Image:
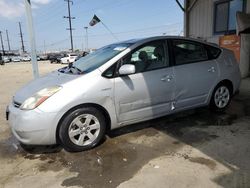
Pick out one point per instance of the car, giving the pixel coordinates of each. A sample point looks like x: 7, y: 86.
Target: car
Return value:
x: 1, y: 60
x: 43, y: 57
x: 111, y: 87
x: 26, y: 58
x: 70, y: 58
x: 16, y: 59
x: 6, y: 59
x: 38, y: 58
x: 55, y: 58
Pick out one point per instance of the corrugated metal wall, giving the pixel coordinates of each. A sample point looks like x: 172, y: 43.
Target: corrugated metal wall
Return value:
x: 201, y: 20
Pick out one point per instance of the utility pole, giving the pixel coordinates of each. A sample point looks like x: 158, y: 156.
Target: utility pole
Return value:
x: 70, y: 25
x: 87, y: 45
x: 2, y: 42
x: 21, y: 35
x: 8, y: 41
x: 44, y: 47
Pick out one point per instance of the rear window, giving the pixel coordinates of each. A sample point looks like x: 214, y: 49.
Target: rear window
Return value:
x: 213, y: 52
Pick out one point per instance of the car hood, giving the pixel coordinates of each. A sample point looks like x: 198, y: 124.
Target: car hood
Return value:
x: 52, y: 79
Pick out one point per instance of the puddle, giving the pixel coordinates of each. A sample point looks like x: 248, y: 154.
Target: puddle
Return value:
x: 203, y: 161
x: 108, y: 165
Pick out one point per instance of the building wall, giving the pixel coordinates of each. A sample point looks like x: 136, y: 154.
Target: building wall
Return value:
x: 201, y: 20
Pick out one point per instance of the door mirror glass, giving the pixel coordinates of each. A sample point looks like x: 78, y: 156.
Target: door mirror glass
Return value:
x: 127, y: 69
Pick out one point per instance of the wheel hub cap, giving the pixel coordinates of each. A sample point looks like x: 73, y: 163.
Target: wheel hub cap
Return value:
x: 222, y: 97
x: 84, y: 129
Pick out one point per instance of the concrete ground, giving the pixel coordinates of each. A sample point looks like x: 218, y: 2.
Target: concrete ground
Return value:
x: 190, y: 149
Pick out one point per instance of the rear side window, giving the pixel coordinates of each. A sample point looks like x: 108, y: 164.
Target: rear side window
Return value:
x: 213, y: 52
x: 188, y: 52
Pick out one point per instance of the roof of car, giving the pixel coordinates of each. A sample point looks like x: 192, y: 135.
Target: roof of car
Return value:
x: 142, y: 40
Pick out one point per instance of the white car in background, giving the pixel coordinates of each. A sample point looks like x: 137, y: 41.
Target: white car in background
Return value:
x: 6, y: 59
x: 26, y: 58
x: 16, y: 59
x: 70, y: 58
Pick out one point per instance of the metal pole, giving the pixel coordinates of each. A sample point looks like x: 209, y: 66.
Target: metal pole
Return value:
x: 2, y: 42
x: 87, y: 45
x: 186, y: 18
x: 8, y: 41
x: 21, y: 35
x: 32, y: 38
x: 70, y: 26
x: 44, y: 46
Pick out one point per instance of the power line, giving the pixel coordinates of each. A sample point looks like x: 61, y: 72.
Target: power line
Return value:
x: 2, y: 42
x: 21, y: 36
x: 141, y: 30
x: 144, y: 30
x: 8, y: 41
x: 70, y: 24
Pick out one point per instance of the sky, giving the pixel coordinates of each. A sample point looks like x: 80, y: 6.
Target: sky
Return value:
x: 127, y: 19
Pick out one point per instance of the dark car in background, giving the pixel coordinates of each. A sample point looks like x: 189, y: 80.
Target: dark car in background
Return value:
x: 43, y: 57
x: 55, y: 58
x: 1, y: 60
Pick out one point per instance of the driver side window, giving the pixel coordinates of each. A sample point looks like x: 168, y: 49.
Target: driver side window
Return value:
x: 148, y: 57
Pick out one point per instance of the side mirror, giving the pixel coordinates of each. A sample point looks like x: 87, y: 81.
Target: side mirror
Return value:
x: 127, y: 69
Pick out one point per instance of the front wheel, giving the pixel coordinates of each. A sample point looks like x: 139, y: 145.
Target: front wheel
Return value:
x: 82, y: 129
x: 221, y: 97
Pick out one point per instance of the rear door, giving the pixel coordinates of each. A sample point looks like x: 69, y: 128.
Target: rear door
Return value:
x: 195, y: 74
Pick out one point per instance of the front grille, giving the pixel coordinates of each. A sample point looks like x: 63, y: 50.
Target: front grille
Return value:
x: 16, y: 104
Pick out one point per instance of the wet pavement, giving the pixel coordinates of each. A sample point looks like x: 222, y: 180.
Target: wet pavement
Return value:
x: 213, y: 143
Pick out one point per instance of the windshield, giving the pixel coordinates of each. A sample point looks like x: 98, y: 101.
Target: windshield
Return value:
x: 99, y: 57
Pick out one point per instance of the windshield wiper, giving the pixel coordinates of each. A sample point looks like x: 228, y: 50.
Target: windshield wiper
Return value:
x: 71, y: 66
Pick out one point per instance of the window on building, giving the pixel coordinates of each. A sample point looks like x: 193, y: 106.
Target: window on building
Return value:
x: 225, y: 15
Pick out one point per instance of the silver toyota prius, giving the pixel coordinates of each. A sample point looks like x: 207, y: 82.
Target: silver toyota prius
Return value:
x: 121, y: 84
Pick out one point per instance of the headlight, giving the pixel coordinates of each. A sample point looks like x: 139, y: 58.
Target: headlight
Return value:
x: 39, y: 98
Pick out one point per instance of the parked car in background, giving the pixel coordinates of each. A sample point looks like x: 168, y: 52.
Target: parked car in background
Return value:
x: 16, y: 59
x: 6, y: 59
x: 70, y: 58
x: 55, y: 58
x: 26, y: 58
x: 122, y: 84
x: 38, y: 58
x: 1, y: 59
x: 43, y: 57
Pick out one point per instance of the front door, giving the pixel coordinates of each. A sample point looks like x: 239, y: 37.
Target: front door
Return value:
x: 150, y: 91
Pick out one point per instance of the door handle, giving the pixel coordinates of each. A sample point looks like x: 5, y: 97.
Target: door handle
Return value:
x: 167, y: 78
x: 212, y: 69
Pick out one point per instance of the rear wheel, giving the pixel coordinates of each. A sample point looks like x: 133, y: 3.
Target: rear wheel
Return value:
x: 82, y: 129
x: 221, y: 97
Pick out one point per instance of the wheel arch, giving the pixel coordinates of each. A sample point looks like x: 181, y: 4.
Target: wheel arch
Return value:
x: 227, y: 82
x: 97, y: 106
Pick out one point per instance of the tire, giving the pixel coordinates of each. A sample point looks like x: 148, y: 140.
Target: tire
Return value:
x: 221, y: 97
x: 28, y: 148
x: 82, y: 129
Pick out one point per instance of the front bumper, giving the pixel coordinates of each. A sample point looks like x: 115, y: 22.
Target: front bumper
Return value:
x: 32, y: 127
